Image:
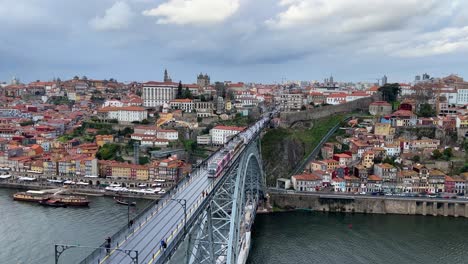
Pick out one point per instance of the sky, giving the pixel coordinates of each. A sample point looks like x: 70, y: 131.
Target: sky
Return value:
x: 239, y: 40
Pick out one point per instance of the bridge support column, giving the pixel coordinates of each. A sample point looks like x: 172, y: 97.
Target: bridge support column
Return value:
x: 466, y: 210
x: 434, y: 209
x: 446, y: 209
x: 455, y: 210
x: 424, y: 209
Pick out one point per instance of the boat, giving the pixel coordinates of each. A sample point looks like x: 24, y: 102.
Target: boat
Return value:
x: 123, y: 202
x: 72, y: 200
x: 52, y: 203
x: 30, y: 196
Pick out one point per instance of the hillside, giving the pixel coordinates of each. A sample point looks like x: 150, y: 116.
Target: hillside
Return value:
x: 284, y: 148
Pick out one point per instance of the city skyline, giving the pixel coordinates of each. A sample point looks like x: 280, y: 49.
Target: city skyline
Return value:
x: 253, y: 41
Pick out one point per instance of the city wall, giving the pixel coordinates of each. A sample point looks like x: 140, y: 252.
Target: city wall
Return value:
x: 288, y: 119
x: 374, y: 205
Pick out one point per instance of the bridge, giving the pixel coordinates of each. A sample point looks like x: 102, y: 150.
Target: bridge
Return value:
x: 204, y: 219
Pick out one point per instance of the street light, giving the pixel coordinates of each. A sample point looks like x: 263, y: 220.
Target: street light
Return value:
x: 183, y: 203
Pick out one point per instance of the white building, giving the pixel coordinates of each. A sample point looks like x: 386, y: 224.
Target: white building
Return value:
x: 158, y: 93
x: 167, y: 134
x: 113, y: 103
x: 204, y: 140
x: 185, y: 105
x: 124, y: 114
x: 462, y: 96
x: 221, y: 134
x: 291, y: 102
x: 307, y: 182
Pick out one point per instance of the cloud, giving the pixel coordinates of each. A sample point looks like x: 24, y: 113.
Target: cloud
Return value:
x: 350, y: 15
x: 117, y: 17
x: 196, y: 12
x: 445, y: 41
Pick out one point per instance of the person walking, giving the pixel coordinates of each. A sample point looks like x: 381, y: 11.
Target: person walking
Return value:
x: 108, y: 244
x: 163, y: 245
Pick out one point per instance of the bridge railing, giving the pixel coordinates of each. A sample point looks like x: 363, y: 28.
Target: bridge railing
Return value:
x: 178, y: 237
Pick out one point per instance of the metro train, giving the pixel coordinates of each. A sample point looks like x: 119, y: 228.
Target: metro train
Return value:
x: 220, y: 161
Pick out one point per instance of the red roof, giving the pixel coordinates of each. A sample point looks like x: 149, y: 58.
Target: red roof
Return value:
x: 229, y: 128
x: 307, y: 177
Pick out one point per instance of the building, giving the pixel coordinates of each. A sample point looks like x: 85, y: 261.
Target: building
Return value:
x: 221, y: 134
x: 343, y: 159
x: 155, y: 94
x: 291, y: 101
x: 101, y: 140
x: 336, y: 98
x: 383, y: 129
x: 462, y: 96
x: 204, y: 140
x: 185, y: 105
x: 306, y: 182
x: 203, y: 80
x: 388, y: 173
x: 125, y: 114
x: 380, y: 108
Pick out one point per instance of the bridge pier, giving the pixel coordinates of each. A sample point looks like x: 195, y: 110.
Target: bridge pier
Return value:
x: 455, y: 210
x: 446, y: 209
x: 434, y: 209
x: 466, y: 210
x: 424, y: 209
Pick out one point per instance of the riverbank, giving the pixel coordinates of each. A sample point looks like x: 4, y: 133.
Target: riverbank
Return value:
x: 368, y: 204
x: 75, y: 190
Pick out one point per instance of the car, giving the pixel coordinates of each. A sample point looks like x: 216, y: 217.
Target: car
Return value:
x: 388, y: 194
x: 453, y: 197
x: 362, y: 193
x: 446, y: 197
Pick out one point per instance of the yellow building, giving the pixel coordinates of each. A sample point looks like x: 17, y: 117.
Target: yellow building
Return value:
x: 37, y: 166
x: 104, y: 139
x: 228, y: 105
x: 368, y: 159
x: 382, y: 129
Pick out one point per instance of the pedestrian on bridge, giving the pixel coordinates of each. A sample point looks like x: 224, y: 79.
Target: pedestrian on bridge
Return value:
x: 108, y: 244
x: 163, y: 245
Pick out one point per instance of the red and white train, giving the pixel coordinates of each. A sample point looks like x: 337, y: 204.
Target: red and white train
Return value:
x: 217, y: 163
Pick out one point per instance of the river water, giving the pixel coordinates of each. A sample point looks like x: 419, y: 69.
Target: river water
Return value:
x: 28, y: 231
x: 315, y: 237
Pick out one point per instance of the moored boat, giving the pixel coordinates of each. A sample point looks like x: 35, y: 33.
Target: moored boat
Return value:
x: 119, y: 201
x: 52, y: 203
x: 73, y: 200
x: 30, y: 196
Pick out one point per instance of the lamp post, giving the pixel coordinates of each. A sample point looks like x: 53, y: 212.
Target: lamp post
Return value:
x: 183, y: 203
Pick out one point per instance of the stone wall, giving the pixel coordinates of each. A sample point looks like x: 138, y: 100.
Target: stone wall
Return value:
x: 288, y: 119
x: 373, y: 205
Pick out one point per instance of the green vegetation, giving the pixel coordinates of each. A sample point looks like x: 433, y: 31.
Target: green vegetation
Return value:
x: 390, y: 92
x: 283, y: 149
x: 109, y: 152
x: 143, y: 160
x: 426, y: 110
x: 27, y: 123
x: 447, y: 154
x: 59, y: 100
x: 239, y: 120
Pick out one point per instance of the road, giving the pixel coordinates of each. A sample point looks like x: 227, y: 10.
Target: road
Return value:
x: 360, y: 196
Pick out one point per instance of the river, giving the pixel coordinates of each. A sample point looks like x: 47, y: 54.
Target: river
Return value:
x: 28, y: 231
x: 313, y: 237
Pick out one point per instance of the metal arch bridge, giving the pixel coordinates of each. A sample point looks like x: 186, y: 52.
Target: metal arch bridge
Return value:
x: 212, y: 228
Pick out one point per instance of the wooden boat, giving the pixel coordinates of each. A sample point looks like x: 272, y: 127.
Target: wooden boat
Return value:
x: 124, y: 202
x: 30, y: 196
x: 73, y: 200
x: 52, y: 203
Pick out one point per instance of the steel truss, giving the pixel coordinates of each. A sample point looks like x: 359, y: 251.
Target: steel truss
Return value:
x: 216, y: 234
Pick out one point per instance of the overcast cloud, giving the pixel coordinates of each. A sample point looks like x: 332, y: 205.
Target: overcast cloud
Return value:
x: 239, y: 40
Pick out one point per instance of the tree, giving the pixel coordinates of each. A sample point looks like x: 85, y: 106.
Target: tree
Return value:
x: 390, y: 92
x: 145, y: 121
x: 187, y: 94
x: 179, y: 91
x: 436, y: 154
x: 426, y: 110
x: 448, y: 153
x: 416, y: 158
x: 303, y: 107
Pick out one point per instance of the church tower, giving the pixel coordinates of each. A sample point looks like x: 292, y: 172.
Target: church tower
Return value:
x: 166, y: 76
